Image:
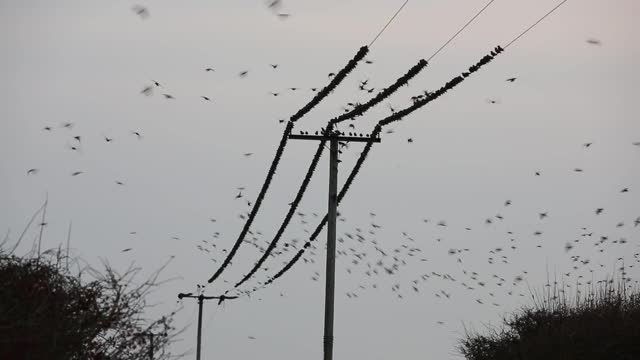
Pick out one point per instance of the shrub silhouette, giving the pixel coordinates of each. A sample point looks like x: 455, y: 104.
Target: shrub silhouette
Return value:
x: 601, y: 323
x: 48, y: 311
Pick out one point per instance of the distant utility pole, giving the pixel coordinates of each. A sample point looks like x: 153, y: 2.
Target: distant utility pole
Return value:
x: 334, y: 139
x: 201, y: 299
x: 150, y: 335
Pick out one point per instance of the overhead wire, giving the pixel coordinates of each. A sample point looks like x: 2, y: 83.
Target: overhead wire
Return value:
x: 363, y: 156
x: 337, y: 79
x: 461, y: 30
x: 534, y: 24
x: 321, y: 95
x: 359, y: 110
x: 397, y: 117
x: 388, y: 23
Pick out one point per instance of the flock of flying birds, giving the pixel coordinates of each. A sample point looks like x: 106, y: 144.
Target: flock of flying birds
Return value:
x: 405, y: 270
x: 365, y: 259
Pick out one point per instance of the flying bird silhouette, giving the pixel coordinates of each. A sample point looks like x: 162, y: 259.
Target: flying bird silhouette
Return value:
x: 594, y: 42
x: 141, y: 11
x: 513, y: 79
x: 147, y: 91
x: 32, y: 171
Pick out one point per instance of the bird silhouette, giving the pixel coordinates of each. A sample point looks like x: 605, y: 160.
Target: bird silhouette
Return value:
x: 513, y: 79
x: 243, y: 73
x: 168, y: 96
x: 209, y: 69
x: 127, y: 249
x: 141, y: 11
x: 147, y: 91
x: 595, y: 42
x: 206, y: 98
x: 76, y: 173
x: 47, y: 128
x: 108, y: 139
x: 274, y: 4
x: 137, y: 134
x: 274, y: 66
x: 32, y: 171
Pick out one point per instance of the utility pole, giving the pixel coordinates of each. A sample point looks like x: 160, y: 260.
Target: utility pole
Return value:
x: 150, y: 335
x: 334, y: 139
x: 201, y: 299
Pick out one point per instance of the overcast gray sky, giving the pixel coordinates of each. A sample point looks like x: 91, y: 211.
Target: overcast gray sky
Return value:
x: 86, y: 62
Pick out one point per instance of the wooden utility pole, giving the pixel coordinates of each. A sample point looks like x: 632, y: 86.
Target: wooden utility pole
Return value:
x: 201, y: 299
x: 334, y: 139
x: 150, y: 335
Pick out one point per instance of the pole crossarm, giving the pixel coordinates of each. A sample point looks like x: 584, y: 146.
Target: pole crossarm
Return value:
x: 201, y: 297
x: 368, y: 138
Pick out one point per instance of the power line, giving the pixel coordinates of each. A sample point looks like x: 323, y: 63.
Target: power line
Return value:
x: 377, y: 129
x: 337, y: 79
x: 388, y: 23
x: 401, y: 114
x: 461, y: 29
x: 536, y: 23
x: 357, y: 111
